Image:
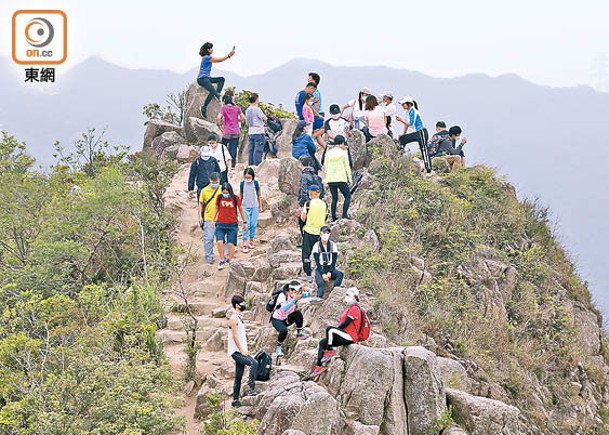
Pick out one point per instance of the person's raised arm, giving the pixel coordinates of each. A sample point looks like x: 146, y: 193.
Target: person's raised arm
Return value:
x: 223, y: 58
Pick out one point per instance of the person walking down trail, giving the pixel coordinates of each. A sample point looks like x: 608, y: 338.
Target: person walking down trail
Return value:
x: 308, y: 177
x: 238, y: 350
x: 286, y: 313
x: 357, y: 116
x: 229, y: 120
x: 204, y: 78
x: 338, y: 175
x: 376, y: 120
x: 314, y: 216
x: 221, y: 154
x: 325, y: 253
x: 303, y: 144
x: 345, y: 334
x: 420, y: 135
x: 249, y: 189
x: 207, y: 201
x: 200, y: 170
x: 226, y: 223
x: 255, y: 120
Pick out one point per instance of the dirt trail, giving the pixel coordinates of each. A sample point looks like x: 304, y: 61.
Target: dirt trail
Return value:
x: 204, y: 285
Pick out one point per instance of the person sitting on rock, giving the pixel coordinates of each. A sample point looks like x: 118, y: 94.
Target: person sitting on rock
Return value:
x: 338, y: 175
x: 314, y: 216
x: 345, y: 334
x: 204, y: 78
x: 200, y: 170
x: 303, y: 144
x: 251, y: 199
x: 336, y: 125
x: 206, y: 213
x: 357, y: 116
x: 308, y: 177
x: 286, y: 314
x: 226, y: 223
x: 221, y: 154
x: 238, y: 350
x: 325, y: 253
x: 317, y: 104
x: 229, y: 120
x: 300, y: 103
x: 376, y: 120
x: 452, y: 152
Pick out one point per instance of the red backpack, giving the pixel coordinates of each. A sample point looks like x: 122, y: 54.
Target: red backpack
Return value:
x: 364, y: 327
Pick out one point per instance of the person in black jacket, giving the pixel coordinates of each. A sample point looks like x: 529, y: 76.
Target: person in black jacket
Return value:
x: 200, y: 170
x: 325, y: 254
x: 449, y: 150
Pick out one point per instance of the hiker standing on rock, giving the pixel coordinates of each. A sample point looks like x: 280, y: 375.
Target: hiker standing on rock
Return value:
x: 325, y: 254
x: 251, y: 200
x: 204, y: 78
x: 345, y: 334
x: 314, y: 216
x: 338, y: 175
x: 226, y: 223
x: 421, y: 136
x: 207, y: 201
x: 286, y: 314
x: 229, y: 120
x: 200, y: 171
x: 255, y: 120
x: 238, y: 351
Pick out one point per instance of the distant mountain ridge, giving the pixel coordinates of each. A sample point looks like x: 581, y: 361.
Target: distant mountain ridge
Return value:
x: 544, y: 138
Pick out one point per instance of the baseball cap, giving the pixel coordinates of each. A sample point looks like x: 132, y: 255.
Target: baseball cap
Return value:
x: 324, y: 229
x: 301, y: 124
x: 314, y: 188
x: 352, y: 291
x: 406, y: 99
x: 295, y: 284
x: 205, y: 150
x: 334, y: 109
x: 387, y: 94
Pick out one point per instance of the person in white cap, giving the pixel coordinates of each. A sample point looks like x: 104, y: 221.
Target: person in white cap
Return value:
x: 390, y: 112
x: 420, y: 134
x: 345, y: 334
x: 357, y: 106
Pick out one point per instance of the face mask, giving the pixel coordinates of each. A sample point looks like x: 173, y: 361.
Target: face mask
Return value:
x: 336, y: 117
x: 364, y: 99
x: 249, y: 180
x: 205, y: 157
x: 349, y: 300
x: 325, y: 237
x: 214, y: 185
x: 242, y: 306
x: 226, y: 195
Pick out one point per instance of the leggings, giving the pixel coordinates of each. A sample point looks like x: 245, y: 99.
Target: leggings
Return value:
x: 421, y: 137
x: 207, y: 83
x: 232, y: 143
x: 334, y: 337
x: 240, y: 362
x: 282, y: 325
x: 344, y: 189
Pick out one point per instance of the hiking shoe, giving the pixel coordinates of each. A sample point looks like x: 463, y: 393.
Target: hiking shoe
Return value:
x: 235, y: 404
x: 203, y: 112
x: 301, y: 336
x: 279, y: 351
x: 252, y: 246
x: 251, y: 391
x: 221, y: 264
x: 246, y: 249
x: 317, y: 370
x: 327, y: 355
x: 210, y: 261
x: 316, y: 300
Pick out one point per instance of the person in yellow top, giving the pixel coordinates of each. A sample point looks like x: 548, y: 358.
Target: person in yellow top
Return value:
x: 338, y: 175
x: 207, y: 206
x: 314, y: 214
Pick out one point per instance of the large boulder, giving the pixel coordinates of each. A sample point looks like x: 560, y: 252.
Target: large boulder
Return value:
x: 165, y: 140
x: 182, y: 153
x: 358, y: 148
x: 268, y: 169
x: 195, y: 96
x: 381, y: 146
x: 155, y: 128
x: 284, y: 140
x: 587, y: 329
x: 281, y: 242
x: 289, y: 176
x: 236, y: 280
x: 482, y: 416
x: 197, y: 130
x: 278, y: 258
x: 423, y: 390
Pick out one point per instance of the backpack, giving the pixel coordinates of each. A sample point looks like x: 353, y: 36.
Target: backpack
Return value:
x: 270, y: 145
x: 265, y: 361
x: 256, y: 185
x: 272, y: 302
x: 364, y: 327
x: 433, y: 146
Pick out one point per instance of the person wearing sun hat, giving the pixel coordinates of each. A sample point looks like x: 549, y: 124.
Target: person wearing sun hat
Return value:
x: 357, y: 107
x: 345, y: 334
x: 314, y: 215
x: 390, y: 112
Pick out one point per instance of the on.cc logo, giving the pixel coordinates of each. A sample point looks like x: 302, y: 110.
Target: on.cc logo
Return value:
x: 40, y: 37
x: 39, y: 32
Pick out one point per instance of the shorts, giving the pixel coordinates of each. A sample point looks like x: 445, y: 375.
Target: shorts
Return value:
x: 227, y: 230
x: 318, y: 123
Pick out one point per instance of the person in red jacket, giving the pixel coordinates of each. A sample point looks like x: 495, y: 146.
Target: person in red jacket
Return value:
x: 345, y: 334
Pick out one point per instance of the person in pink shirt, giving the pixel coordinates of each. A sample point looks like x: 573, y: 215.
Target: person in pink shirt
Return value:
x: 229, y: 120
x: 376, y: 120
x: 286, y: 313
x: 307, y: 109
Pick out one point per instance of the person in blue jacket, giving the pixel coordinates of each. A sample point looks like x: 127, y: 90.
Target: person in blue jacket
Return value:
x: 303, y: 144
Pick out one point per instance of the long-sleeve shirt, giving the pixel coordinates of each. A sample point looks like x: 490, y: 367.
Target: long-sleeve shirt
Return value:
x: 308, y: 178
x: 337, y: 166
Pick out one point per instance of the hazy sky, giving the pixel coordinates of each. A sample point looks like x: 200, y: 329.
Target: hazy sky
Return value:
x: 548, y: 42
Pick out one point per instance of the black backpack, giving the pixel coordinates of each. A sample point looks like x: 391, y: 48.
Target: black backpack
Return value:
x: 272, y: 302
x: 265, y: 361
x: 433, y: 146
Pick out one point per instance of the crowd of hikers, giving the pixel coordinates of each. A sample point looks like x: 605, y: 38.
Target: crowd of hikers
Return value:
x: 219, y: 206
